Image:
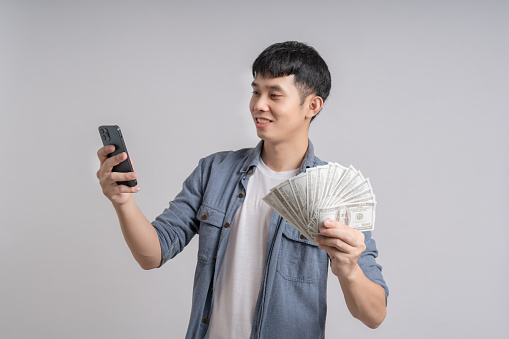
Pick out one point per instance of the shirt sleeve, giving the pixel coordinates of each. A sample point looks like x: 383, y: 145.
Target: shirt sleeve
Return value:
x: 178, y: 223
x: 368, y: 264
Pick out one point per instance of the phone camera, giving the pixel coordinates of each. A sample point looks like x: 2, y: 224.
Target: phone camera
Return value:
x: 105, y: 135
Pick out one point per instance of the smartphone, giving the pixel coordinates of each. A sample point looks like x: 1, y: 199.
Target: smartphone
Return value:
x: 112, y: 135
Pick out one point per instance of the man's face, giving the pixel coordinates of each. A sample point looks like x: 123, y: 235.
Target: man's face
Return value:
x: 277, y: 111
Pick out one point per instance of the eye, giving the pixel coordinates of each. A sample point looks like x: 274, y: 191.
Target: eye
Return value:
x: 275, y: 95
x: 256, y: 93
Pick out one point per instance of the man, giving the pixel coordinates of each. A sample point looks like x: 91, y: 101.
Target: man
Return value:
x: 256, y: 276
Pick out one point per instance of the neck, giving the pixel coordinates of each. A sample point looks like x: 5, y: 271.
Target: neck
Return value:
x: 284, y: 157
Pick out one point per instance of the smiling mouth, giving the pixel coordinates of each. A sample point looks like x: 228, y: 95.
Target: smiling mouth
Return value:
x: 262, y: 121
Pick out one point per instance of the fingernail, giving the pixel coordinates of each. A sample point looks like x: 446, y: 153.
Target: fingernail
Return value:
x: 323, y: 230
x: 327, y: 223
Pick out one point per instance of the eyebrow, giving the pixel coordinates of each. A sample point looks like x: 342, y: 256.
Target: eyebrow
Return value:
x: 274, y: 87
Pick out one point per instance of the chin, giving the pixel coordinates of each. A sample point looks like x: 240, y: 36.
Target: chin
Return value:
x: 261, y: 135
x: 264, y: 136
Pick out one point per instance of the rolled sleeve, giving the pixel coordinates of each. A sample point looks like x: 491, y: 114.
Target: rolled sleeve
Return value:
x: 177, y: 225
x: 368, y: 264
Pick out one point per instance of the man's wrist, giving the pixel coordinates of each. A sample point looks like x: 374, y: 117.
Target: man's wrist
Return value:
x: 351, y: 276
x: 119, y: 207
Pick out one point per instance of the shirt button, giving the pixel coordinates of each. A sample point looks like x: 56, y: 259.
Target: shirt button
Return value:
x: 226, y: 224
x: 250, y: 172
x: 205, y: 320
x: 241, y: 195
x: 204, y: 217
x: 302, y: 236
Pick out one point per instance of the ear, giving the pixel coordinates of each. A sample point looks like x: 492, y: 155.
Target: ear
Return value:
x: 315, y: 104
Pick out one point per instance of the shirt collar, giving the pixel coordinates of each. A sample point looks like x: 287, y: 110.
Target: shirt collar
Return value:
x: 254, y: 156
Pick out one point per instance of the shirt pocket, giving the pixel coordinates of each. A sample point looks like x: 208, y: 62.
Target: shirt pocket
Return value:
x: 211, y: 222
x: 299, y: 259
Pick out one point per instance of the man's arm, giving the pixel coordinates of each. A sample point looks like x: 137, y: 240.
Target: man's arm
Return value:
x: 139, y: 234
x: 364, y: 298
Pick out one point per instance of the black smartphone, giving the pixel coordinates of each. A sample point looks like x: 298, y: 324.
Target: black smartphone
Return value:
x: 112, y: 135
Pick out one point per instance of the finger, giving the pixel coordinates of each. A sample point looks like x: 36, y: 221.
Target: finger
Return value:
x: 103, y: 152
x: 333, y: 243
x: 112, y: 178
x: 337, y: 233
x: 119, y: 176
x: 111, y: 162
x: 114, y: 189
x: 332, y: 252
x: 335, y: 229
x: 339, y: 258
x: 107, y: 166
x: 127, y: 189
x: 331, y: 223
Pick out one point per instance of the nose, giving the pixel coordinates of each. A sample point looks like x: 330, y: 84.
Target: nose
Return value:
x: 259, y: 104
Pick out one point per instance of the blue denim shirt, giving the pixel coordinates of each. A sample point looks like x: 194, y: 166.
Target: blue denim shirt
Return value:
x: 292, y: 298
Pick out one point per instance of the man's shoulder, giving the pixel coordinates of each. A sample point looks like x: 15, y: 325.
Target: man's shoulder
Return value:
x: 223, y: 167
x: 228, y: 158
x: 320, y: 162
x: 315, y: 161
x: 222, y: 155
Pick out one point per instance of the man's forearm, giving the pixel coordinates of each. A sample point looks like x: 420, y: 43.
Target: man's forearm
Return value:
x: 364, y: 298
x: 139, y: 234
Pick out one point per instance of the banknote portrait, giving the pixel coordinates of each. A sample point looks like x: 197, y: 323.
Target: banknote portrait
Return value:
x: 344, y: 215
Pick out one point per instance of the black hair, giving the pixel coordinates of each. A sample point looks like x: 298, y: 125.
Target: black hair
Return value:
x: 303, y: 61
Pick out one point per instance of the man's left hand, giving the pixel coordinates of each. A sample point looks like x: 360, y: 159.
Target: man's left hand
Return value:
x: 344, y: 246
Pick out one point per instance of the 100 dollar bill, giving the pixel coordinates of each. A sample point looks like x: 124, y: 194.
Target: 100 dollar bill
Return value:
x: 358, y: 216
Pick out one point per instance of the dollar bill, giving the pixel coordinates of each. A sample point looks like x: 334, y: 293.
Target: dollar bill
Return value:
x: 358, y: 216
x: 272, y: 200
x: 299, y: 187
x: 286, y: 192
x: 330, y: 191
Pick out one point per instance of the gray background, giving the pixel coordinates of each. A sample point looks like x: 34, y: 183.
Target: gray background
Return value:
x: 419, y: 104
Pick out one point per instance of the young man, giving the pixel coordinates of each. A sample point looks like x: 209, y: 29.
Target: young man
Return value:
x: 256, y: 276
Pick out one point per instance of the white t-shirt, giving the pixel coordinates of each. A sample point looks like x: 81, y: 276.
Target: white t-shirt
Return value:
x: 240, y: 276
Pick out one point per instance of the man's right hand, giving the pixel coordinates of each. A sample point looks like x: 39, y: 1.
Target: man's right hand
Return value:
x: 117, y: 194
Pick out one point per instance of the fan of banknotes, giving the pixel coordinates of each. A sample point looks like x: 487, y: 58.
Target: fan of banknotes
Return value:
x: 329, y: 191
